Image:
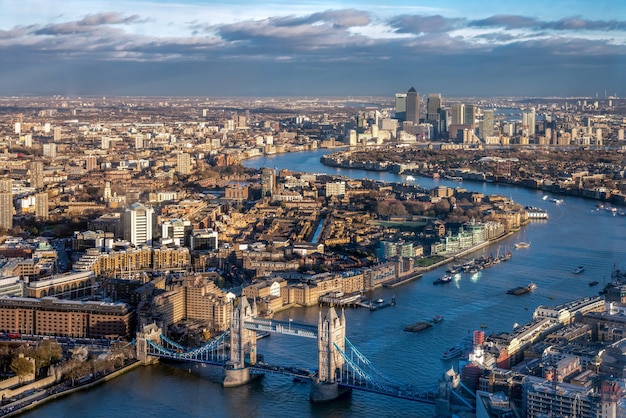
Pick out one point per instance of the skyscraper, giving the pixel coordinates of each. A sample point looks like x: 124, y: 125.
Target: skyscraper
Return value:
x: 433, y: 112
x: 138, y: 222
x: 458, y: 114
x: 469, y: 118
x: 433, y: 105
x: 413, y: 106
x: 401, y: 106
x: 6, y: 204
x: 528, y: 121
x: 486, y: 125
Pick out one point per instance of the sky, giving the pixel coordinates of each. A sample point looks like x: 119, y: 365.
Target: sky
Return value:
x: 254, y: 48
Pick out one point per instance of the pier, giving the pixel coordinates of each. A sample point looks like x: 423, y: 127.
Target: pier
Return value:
x: 402, y: 280
x: 341, y: 299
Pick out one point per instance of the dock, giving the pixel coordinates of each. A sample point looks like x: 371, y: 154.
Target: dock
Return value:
x: 402, y: 280
x: 340, y: 299
x: 378, y: 306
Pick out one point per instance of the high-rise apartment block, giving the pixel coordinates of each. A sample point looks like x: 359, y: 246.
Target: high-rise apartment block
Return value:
x: 35, y: 171
x: 50, y: 150
x: 57, y: 134
x: 268, y: 181
x: 183, y: 163
x: 91, y: 162
x: 41, y: 206
x: 6, y: 204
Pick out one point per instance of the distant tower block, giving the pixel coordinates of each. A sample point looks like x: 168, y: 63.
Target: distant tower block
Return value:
x: 6, y: 204
x: 268, y: 181
x: 35, y: 170
x: 401, y: 106
x: 413, y: 106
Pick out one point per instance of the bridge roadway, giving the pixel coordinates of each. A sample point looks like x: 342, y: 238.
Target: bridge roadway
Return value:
x: 281, y: 327
x: 261, y: 368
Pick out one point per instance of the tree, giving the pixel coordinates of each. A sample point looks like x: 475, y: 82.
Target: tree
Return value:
x: 46, y: 352
x: 22, y: 367
x: 76, y: 369
x: 442, y: 207
x: 383, y: 208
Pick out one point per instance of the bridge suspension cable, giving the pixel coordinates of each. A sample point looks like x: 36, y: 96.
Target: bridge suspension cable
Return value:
x: 355, y: 376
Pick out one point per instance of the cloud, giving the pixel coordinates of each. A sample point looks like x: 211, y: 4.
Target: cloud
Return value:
x: 566, y: 24
x: 88, y: 24
x: 318, y: 31
x: 576, y: 23
x: 340, y: 18
x: 339, y: 46
x: 417, y: 24
x: 506, y: 21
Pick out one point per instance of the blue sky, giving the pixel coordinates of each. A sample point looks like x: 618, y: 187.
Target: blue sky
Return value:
x: 312, y: 48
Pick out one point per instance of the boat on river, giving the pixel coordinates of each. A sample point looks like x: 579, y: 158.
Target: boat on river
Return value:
x: 418, y: 327
x: 451, y: 353
x: 446, y: 278
x: 578, y: 270
x: 522, y: 289
x: 522, y: 244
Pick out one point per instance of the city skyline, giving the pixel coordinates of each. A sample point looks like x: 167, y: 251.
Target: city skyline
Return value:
x: 486, y: 48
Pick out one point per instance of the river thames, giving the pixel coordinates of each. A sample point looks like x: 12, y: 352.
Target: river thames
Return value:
x: 576, y: 234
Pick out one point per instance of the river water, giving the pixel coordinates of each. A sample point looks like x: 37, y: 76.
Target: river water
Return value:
x: 575, y: 234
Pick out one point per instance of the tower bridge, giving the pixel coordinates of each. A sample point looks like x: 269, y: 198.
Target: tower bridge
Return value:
x: 341, y: 367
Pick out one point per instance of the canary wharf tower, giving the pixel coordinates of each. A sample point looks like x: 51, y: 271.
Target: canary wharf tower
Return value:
x: 413, y: 106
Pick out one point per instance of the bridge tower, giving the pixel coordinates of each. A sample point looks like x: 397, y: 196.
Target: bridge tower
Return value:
x: 149, y: 332
x: 242, y: 345
x: 331, y: 333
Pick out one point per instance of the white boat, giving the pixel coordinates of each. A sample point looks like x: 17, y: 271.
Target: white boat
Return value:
x: 410, y: 178
x: 545, y: 197
x: 578, y: 270
x: 452, y: 353
x: 522, y: 244
x: 380, y: 300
